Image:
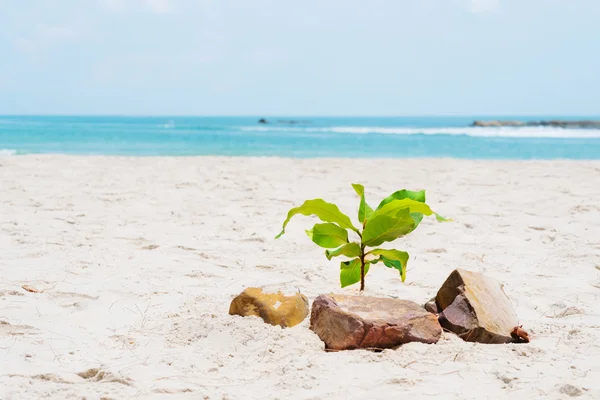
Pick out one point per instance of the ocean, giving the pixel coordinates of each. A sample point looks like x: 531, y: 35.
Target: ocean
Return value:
x: 306, y: 137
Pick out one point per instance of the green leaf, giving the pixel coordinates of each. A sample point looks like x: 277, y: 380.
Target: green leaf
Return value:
x: 350, y: 272
x: 392, y: 259
x: 385, y: 228
x: 328, y: 235
x: 409, y: 194
x: 441, y: 219
x: 417, y: 217
x: 325, y: 211
x: 364, y: 210
x: 393, y: 207
x: 348, y: 250
x: 417, y: 210
x: 404, y: 194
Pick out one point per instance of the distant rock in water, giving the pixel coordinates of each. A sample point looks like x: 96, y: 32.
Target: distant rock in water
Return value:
x: 551, y: 123
x: 498, y: 123
x: 283, y: 121
x: 291, y: 121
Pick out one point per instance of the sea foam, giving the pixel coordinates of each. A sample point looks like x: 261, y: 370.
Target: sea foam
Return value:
x: 7, y: 152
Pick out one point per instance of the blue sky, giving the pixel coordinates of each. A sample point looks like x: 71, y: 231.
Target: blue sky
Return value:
x: 310, y: 57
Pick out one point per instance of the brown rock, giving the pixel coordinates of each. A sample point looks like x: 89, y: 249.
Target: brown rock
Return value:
x: 431, y: 306
x: 476, y: 308
x: 273, y: 308
x: 352, y: 322
x: 30, y: 289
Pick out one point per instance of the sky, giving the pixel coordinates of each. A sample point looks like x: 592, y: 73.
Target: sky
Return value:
x: 309, y: 57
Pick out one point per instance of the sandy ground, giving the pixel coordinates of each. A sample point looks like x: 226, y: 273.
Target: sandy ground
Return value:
x: 137, y: 260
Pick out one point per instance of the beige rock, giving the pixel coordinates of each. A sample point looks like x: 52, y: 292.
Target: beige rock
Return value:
x: 273, y: 308
x: 352, y: 322
x: 476, y: 308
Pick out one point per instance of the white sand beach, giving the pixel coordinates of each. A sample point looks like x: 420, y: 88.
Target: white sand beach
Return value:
x: 136, y: 261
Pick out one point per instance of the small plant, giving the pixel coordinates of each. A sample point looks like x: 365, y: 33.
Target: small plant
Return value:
x: 397, y: 215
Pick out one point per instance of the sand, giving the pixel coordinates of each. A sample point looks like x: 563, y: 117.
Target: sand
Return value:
x: 136, y: 261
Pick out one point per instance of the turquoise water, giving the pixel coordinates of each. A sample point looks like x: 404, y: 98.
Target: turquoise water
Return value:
x: 311, y: 137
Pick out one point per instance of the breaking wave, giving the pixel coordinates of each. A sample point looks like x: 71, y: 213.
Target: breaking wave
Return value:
x: 7, y: 152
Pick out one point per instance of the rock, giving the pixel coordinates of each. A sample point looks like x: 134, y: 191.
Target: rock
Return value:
x: 284, y: 121
x: 352, y: 322
x: 583, y: 124
x: 519, y: 335
x: 30, y: 289
x: 476, y: 308
x: 497, y: 123
x: 273, y: 308
x: 431, y: 306
x: 292, y: 121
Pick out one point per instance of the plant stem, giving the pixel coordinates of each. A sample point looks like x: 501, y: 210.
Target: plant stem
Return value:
x: 362, y: 268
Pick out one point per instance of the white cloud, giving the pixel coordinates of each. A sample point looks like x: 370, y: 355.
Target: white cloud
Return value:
x: 159, y: 6
x: 482, y: 6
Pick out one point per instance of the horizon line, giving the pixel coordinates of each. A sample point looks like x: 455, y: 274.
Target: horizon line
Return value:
x: 259, y: 116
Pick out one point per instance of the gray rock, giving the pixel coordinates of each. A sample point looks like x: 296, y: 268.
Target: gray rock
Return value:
x: 585, y: 124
